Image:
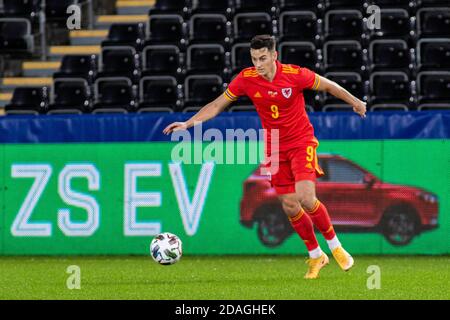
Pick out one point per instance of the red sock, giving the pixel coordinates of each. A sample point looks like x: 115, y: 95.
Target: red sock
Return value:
x: 319, y: 215
x: 304, y: 227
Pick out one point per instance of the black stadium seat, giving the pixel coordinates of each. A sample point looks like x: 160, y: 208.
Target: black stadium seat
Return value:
x: 77, y: 66
x: 394, y: 24
x: 343, y: 55
x: 119, y: 62
x: 433, y: 54
x: 15, y: 36
x: 268, y: 6
x: 158, y: 93
x: 21, y: 8
x: 433, y: 87
x: 240, y: 57
x: 28, y: 100
x: 225, y: 7
x: 389, y: 107
x: 201, y: 89
x: 390, y: 87
x: 70, y: 96
x: 343, y: 24
x: 247, y: 25
x: 299, y: 53
x: 434, y: 22
x: 114, y: 95
x: 351, y: 81
x: 167, y: 29
x: 343, y: 4
x: 310, y: 5
x: 209, y: 28
x: 404, y: 4
x: 161, y: 60
x: 126, y: 34
x: 206, y: 59
x: 180, y: 7
x: 299, y: 26
x: 389, y: 55
x: 56, y: 10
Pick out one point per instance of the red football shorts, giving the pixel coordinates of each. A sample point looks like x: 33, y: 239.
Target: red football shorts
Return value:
x: 296, y: 164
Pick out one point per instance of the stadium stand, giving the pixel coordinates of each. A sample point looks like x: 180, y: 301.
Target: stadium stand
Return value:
x: 173, y: 56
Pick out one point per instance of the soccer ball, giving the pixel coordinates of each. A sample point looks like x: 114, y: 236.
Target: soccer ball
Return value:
x: 166, y: 248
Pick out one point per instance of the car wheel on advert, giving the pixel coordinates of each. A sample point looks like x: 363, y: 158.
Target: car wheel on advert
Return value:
x: 273, y: 228
x: 400, y: 226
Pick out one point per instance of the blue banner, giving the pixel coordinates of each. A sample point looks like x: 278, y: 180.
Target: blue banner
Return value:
x: 148, y: 127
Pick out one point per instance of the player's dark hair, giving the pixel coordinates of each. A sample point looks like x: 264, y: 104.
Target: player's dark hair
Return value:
x: 263, y: 41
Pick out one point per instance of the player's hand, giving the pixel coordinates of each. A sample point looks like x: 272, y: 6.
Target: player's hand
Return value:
x: 360, y: 108
x: 175, y: 126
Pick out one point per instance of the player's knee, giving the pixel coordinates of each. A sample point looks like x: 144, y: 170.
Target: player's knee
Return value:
x: 307, y: 200
x: 290, y: 206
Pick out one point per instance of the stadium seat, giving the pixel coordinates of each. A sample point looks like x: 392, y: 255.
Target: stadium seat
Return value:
x: 433, y: 106
x: 390, y: 55
x: 78, y: 66
x: 209, y: 28
x: 29, y: 100
x: 247, y: 25
x: 310, y: 5
x: 167, y: 29
x: 390, y: 87
x: 389, y: 107
x: 179, y: 7
x: 269, y: 6
x: 159, y: 93
x: 343, y: 4
x: 56, y: 11
x: 16, y: 37
x: 433, y: 87
x: 344, y: 24
x: 240, y: 57
x: 242, y: 108
x: 341, y: 107
x: 225, y: 7
x: 161, y: 60
x: 343, y: 55
x: 201, y: 89
x: 299, y: 26
x: 21, y: 8
x: 434, y: 22
x: 404, y: 4
x: 394, y: 24
x: 119, y: 61
x: 299, y: 53
x: 351, y: 81
x: 433, y: 54
x: 126, y: 34
x: 70, y: 96
x: 431, y: 3
x: 206, y: 59
x: 114, y: 95
x: 313, y: 99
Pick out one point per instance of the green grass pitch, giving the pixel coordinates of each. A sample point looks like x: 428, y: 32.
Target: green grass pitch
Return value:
x: 223, y: 278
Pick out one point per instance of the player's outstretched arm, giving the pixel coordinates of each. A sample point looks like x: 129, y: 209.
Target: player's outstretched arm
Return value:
x: 336, y: 90
x: 209, y: 111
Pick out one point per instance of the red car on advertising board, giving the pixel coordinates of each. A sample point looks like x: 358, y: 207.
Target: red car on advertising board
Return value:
x: 356, y: 200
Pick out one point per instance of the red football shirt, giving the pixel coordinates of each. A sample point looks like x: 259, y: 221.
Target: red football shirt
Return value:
x: 280, y: 104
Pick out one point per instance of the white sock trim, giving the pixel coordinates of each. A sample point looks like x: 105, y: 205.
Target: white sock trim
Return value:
x: 316, y: 253
x: 333, y: 243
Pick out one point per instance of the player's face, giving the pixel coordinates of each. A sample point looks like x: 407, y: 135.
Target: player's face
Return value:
x: 264, y: 60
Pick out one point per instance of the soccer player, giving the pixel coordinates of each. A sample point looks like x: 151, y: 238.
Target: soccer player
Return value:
x: 276, y: 90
